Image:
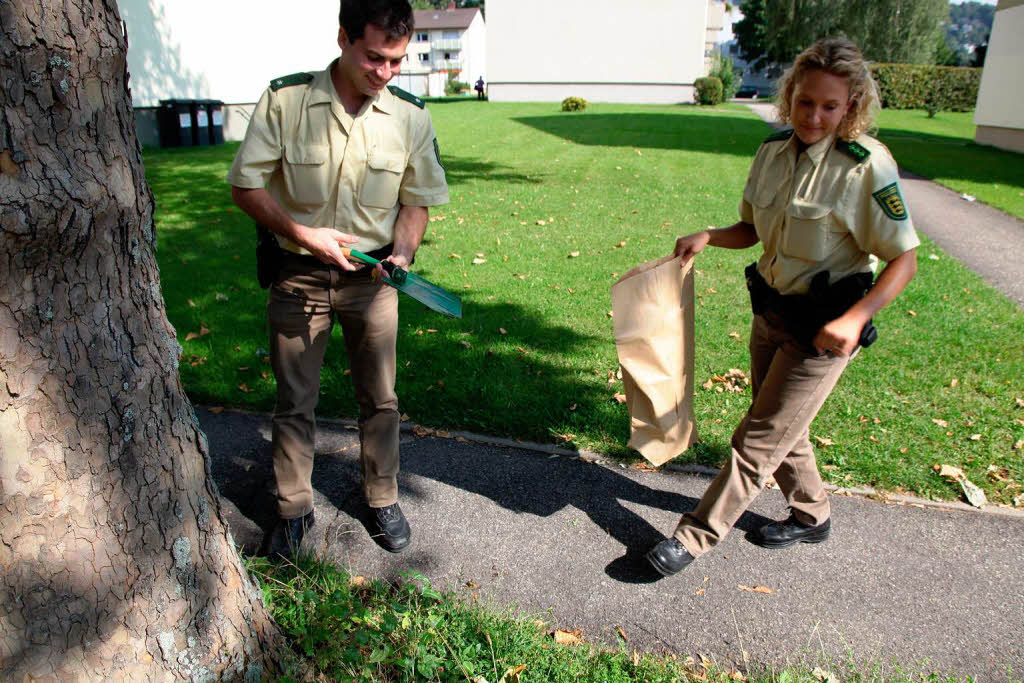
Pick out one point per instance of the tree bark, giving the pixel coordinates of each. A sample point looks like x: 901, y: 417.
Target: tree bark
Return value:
x: 115, y: 562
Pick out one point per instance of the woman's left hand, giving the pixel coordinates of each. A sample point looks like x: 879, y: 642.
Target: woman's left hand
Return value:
x: 840, y: 336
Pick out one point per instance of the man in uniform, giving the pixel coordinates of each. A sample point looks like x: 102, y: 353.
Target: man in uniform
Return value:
x: 332, y: 159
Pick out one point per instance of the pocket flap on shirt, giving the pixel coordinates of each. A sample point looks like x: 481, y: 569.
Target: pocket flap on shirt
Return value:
x: 305, y: 154
x: 808, y: 212
x: 386, y: 162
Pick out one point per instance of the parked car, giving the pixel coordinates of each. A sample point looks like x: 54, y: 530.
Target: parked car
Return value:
x: 747, y: 91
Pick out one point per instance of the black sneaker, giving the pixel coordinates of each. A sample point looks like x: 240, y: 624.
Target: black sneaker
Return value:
x: 393, y: 532
x: 286, y: 537
x: 669, y: 557
x: 790, y: 532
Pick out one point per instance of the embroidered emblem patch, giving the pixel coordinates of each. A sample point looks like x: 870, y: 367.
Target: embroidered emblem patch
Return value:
x: 891, y: 201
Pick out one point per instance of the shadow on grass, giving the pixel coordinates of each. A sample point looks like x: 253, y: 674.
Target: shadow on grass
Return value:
x: 718, y: 134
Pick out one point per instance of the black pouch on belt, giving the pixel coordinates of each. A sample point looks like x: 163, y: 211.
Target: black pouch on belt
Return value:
x: 269, y: 257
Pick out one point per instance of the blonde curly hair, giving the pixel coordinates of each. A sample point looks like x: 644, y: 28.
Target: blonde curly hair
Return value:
x: 839, y: 57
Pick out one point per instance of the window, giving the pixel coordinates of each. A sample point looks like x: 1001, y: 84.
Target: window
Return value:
x: 447, y: 55
x: 424, y: 57
x: 422, y: 37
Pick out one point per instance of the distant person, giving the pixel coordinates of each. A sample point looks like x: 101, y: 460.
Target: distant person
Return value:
x: 824, y: 200
x: 331, y: 159
x: 479, y: 87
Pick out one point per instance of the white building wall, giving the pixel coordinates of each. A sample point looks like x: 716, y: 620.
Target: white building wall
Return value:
x: 605, y: 50
x: 474, y: 51
x: 999, y: 116
x: 226, y: 49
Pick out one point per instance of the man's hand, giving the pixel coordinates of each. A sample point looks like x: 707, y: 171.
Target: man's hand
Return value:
x: 326, y: 244
x: 400, y: 260
x: 840, y: 336
x: 691, y: 245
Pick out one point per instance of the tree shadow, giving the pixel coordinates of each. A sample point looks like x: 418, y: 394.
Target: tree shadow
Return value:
x: 516, y: 481
x: 152, y: 57
x: 461, y: 169
x: 721, y: 133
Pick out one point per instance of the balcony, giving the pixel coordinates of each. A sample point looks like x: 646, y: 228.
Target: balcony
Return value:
x: 447, y: 65
x: 447, y: 45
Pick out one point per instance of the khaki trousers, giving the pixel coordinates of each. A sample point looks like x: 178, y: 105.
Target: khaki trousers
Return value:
x: 301, y: 310
x: 789, y: 385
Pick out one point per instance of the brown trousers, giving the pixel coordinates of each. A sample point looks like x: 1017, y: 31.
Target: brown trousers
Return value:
x: 301, y: 310
x: 789, y: 385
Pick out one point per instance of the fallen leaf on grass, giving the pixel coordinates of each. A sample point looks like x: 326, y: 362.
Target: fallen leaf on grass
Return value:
x: 912, y: 314
x: 829, y: 468
x: 619, y: 398
x: 975, y: 437
x: 502, y: 330
x: 1019, y: 445
x: 941, y: 423
x: 756, y: 589
x: 824, y: 676
x: 997, y: 473
x: 454, y: 256
x: 620, y: 244
x: 573, y: 254
x: 220, y: 297
x: 622, y: 634
x: 243, y: 387
x: 465, y: 344
x: 735, y: 335
x: 1019, y: 402
x: 191, y: 304
x: 357, y: 580
x: 954, y: 382
x: 404, y: 417
x: 974, y: 495
x: 734, y: 381
x: 422, y: 431
x: 477, y: 261
x: 567, y: 637
x: 824, y: 441
x: 1018, y: 502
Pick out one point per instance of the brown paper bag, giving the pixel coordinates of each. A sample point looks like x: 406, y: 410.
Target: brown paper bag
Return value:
x: 652, y: 309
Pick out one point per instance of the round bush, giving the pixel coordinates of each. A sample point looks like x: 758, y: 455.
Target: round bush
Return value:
x: 709, y: 90
x: 574, y: 104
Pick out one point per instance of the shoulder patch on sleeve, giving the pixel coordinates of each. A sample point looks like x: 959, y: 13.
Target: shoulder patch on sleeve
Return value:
x: 855, y: 150
x: 301, y: 78
x: 891, y: 201
x: 437, y: 154
x: 781, y: 135
x: 407, y: 96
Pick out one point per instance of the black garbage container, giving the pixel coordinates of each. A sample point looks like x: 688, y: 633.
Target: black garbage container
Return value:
x: 175, y: 120
x: 215, y: 110
x: 200, y: 122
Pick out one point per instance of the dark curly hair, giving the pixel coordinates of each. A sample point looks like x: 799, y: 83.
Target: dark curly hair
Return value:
x: 393, y: 16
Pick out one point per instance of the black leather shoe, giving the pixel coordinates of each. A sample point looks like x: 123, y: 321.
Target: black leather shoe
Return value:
x: 669, y: 557
x: 286, y: 537
x: 790, y: 532
x: 393, y: 532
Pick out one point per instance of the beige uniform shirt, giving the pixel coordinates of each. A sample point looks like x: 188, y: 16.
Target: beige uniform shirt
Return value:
x: 837, y: 207
x: 329, y: 169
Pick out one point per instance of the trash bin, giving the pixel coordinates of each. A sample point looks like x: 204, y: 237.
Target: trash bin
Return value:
x: 175, y: 120
x: 215, y: 110
x: 200, y: 122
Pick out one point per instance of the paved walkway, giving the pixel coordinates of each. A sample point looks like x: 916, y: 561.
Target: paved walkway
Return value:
x: 987, y: 240
x: 924, y: 589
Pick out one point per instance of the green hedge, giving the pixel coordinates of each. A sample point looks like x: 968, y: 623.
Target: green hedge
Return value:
x: 917, y: 86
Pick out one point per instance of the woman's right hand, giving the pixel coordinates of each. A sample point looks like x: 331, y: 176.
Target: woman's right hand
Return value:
x: 689, y: 246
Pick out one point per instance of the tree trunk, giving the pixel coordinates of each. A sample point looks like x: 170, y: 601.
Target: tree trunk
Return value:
x: 115, y: 562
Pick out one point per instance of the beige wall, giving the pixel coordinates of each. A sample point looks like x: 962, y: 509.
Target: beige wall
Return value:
x: 648, y: 51
x: 1000, y: 111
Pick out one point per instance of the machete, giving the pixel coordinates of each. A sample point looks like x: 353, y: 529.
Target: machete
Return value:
x: 427, y: 293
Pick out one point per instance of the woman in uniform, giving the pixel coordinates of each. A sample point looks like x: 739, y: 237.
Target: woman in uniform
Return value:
x: 823, y: 198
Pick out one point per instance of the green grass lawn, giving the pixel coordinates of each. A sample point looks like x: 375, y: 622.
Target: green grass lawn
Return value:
x: 943, y: 149
x: 345, y: 628
x: 530, y: 186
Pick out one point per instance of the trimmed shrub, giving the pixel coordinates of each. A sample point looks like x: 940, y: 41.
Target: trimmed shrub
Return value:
x: 574, y: 104
x: 934, y: 88
x: 454, y: 87
x: 709, y: 90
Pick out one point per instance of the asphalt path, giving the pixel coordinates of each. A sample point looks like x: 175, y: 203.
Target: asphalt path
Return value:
x: 896, y: 585
x: 988, y: 241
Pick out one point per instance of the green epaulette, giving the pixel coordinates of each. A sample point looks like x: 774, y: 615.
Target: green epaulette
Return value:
x: 781, y: 135
x: 301, y: 78
x: 407, y: 96
x: 855, y: 150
